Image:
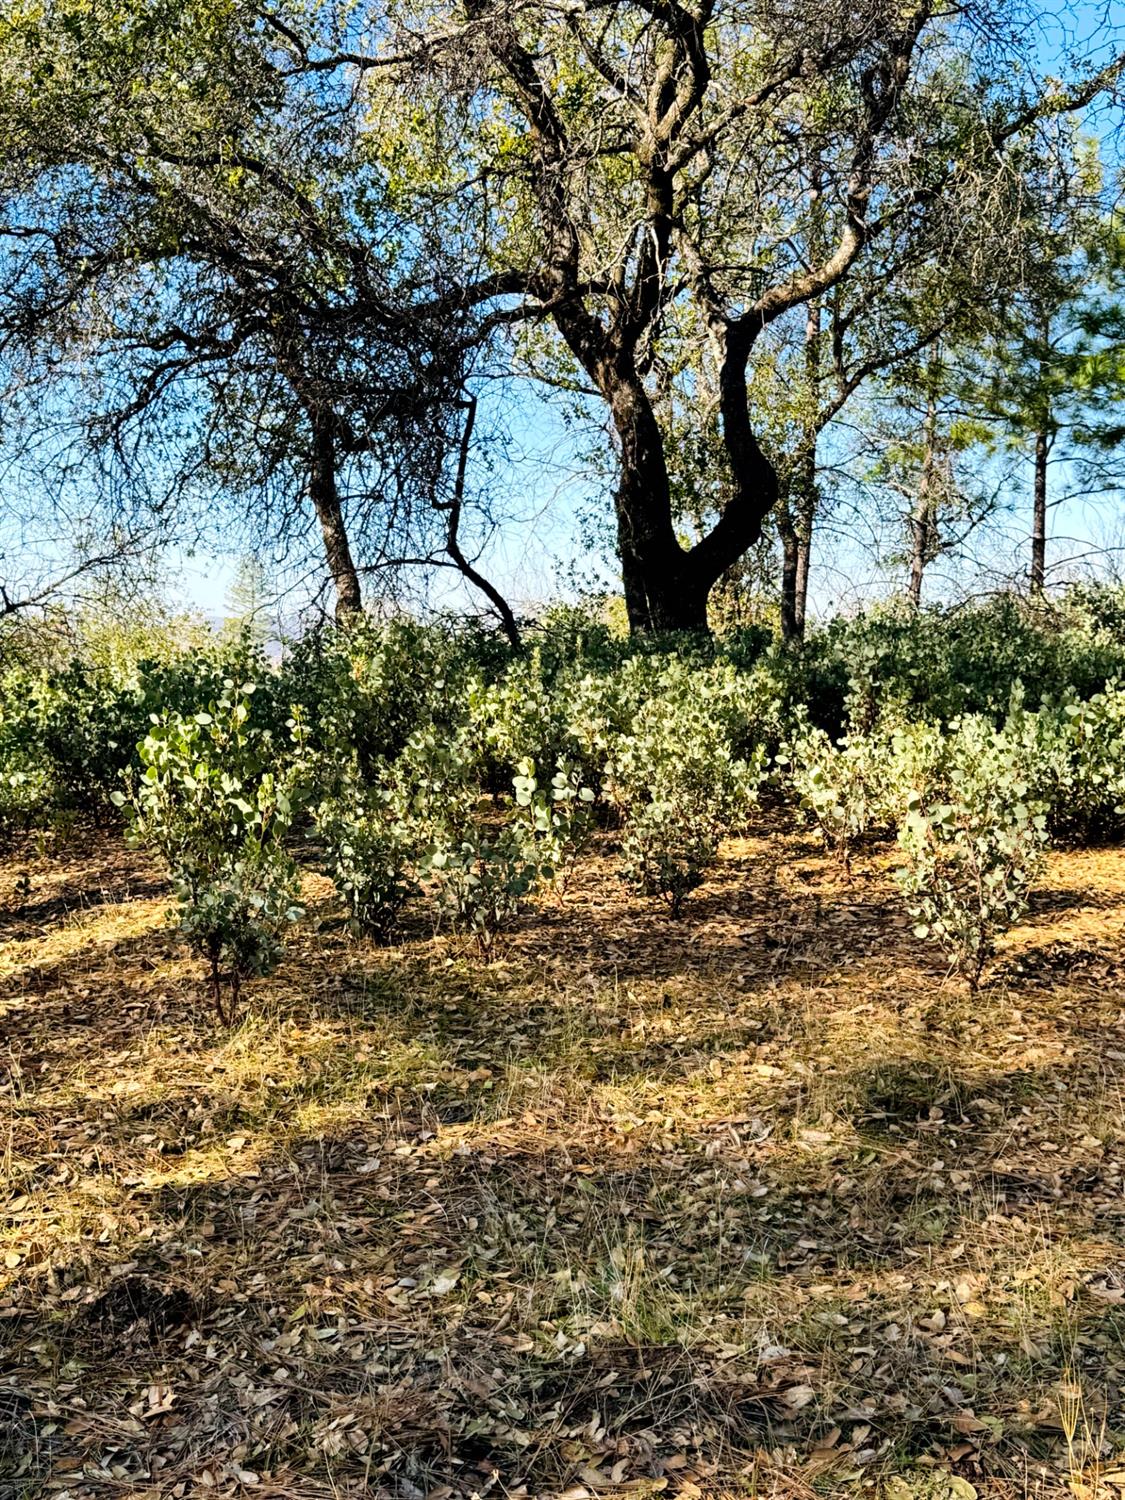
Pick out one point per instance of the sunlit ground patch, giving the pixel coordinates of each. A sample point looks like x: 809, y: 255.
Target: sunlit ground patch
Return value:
x: 755, y: 1202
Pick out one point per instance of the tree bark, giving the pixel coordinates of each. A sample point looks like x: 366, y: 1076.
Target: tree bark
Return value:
x: 453, y: 540
x: 796, y: 515
x: 804, y: 552
x: 919, y: 537
x: 754, y: 481
x: 804, y: 521
x: 922, y: 519
x: 325, y: 496
x: 665, y: 587
x: 807, y: 498
x: 1039, y: 511
x: 790, y: 569
x: 1042, y: 454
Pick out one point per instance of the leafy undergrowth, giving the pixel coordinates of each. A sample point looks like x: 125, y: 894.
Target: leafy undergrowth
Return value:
x: 753, y: 1203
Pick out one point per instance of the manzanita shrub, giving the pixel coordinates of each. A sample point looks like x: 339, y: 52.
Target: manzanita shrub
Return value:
x: 436, y: 767
x: 678, y: 786
x: 482, y: 882
x: 862, y: 783
x: 558, y: 819
x: 837, y: 785
x: 369, y: 850
x: 213, y: 803
x: 518, y: 717
x: 69, y: 729
x: 365, y: 688
x: 974, y: 846
x: 1088, y: 790
x: 667, y: 849
x: 483, y: 868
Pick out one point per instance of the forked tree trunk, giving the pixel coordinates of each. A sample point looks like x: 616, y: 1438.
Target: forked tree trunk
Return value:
x: 667, y: 585
x: 664, y: 589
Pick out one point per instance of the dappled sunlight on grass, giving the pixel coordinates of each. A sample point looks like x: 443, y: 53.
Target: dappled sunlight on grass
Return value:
x: 81, y: 938
x: 784, y: 1208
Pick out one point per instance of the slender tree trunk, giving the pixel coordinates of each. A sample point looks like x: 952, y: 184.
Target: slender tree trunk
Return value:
x: 922, y: 519
x: 807, y: 500
x: 796, y: 515
x: 1039, y: 511
x: 1042, y: 453
x: 326, y: 502
x: 919, y: 537
x: 790, y: 568
x: 453, y: 539
x: 806, y: 495
x: 804, y: 551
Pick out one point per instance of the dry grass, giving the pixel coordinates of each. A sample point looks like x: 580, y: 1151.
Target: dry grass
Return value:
x: 755, y: 1203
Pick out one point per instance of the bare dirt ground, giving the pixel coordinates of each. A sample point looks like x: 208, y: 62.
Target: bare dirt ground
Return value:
x: 753, y: 1203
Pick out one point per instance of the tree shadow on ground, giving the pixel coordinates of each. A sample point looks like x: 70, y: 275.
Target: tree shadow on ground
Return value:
x: 25, y: 918
x: 615, y: 1306
x: 419, y: 1225
x: 755, y: 913
x: 1049, y: 901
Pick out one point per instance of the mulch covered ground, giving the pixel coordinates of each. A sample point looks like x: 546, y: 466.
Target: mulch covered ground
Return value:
x: 755, y: 1202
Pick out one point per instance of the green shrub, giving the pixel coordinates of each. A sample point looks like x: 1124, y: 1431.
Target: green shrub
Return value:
x: 911, y: 764
x: 212, y: 802
x: 973, y: 847
x: 666, y: 849
x: 67, y: 731
x: 518, y: 717
x: 369, y: 853
x: 483, y: 881
x: 862, y: 783
x: 364, y: 690
x: 235, y: 918
x: 1087, y: 758
x: 558, y: 819
x: 435, y: 784
x: 942, y: 663
x: 838, y: 786
x: 679, y: 787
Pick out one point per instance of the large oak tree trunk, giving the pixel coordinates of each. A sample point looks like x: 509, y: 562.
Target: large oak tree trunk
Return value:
x: 666, y: 585
x: 663, y: 589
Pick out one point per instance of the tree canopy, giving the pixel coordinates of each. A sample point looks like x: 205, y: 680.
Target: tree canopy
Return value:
x: 268, y: 253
